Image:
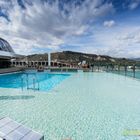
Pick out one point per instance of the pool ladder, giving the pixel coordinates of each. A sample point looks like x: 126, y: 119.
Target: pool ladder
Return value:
x: 34, y: 83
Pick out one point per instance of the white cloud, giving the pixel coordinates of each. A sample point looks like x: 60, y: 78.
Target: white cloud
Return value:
x: 109, y: 23
x: 131, y: 37
x: 134, y: 4
x: 120, y: 41
x: 46, y: 26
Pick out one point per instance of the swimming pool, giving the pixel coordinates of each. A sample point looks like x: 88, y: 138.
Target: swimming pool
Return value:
x: 32, y: 80
x: 85, y: 106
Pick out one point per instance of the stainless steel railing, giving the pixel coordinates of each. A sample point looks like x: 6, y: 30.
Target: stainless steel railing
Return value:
x: 31, y: 82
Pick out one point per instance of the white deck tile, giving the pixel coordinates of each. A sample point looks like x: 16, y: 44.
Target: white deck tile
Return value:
x: 4, y: 121
x: 13, y: 125
x: 14, y: 136
x: 23, y: 130
x: 5, y: 130
x: 11, y: 130
x: 33, y: 136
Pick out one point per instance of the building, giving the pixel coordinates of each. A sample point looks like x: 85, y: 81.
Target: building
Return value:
x: 35, y: 63
x: 6, y: 54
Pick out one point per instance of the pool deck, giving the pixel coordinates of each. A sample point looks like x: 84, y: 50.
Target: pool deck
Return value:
x: 85, y: 106
x: 11, y: 130
x: 10, y: 70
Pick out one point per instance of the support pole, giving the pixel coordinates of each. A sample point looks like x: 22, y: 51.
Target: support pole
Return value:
x: 119, y: 68
x: 49, y: 59
x: 134, y: 68
x: 107, y: 67
x: 125, y: 67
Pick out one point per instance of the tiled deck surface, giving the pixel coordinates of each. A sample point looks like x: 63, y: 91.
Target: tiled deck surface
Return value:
x: 11, y: 130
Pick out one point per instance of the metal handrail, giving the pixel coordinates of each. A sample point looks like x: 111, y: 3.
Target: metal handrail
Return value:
x: 22, y: 83
x: 35, y: 80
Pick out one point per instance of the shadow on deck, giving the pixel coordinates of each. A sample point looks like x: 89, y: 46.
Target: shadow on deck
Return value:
x: 17, y: 97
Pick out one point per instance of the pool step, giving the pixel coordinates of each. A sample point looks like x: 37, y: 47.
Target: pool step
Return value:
x: 11, y: 130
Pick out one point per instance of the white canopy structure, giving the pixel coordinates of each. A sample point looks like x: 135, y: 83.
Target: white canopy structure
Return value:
x: 6, y: 54
x: 6, y: 50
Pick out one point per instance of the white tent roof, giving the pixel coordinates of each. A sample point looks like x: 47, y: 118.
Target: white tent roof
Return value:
x: 4, y: 54
x: 6, y: 50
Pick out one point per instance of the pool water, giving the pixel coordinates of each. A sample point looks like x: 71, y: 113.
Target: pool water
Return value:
x: 85, y: 106
x: 32, y: 80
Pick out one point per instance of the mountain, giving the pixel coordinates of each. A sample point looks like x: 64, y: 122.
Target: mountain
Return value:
x: 136, y: 59
x: 76, y: 57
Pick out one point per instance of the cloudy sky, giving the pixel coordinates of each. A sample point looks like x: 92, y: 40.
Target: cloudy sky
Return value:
x: 110, y: 27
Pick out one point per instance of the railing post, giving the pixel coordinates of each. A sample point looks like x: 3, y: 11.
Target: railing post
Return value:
x: 112, y: 67
x: 34, y: 84
x: 92, y: 66
x: 27, y: 81
x: 98, y: 68
x: 134, y: 68
x: 22, y: 83
x: 119, y: 68
x: 107, y: 67
x: 38, y: 85
x: 125, y: 68
x: 37, y: 81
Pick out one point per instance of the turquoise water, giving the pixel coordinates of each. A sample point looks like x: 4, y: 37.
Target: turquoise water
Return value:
x: 84, y: 106
x: 44, y: 81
